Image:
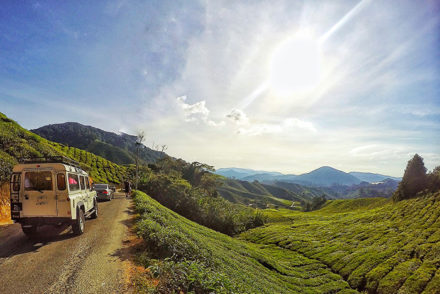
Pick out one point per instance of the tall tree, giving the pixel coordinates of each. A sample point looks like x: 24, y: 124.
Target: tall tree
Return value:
x: 414, y: 179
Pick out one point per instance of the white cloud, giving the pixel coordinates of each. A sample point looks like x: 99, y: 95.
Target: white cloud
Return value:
x: 382, y: 152
x: 197, y: 112
x: 300, y: 124
x: 192, y: 111
x: 287, y: 128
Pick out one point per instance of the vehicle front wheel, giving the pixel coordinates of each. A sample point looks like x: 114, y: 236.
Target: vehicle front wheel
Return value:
x: 95, y: 210
x: 30, y: 232
x: 78, y: 225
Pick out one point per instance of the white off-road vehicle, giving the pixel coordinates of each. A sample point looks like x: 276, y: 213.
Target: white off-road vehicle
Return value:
x: 51, y: 191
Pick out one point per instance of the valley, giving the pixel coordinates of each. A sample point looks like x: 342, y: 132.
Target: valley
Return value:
x: 201, y: 232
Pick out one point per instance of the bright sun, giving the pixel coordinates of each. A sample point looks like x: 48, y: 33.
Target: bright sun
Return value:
x: 295, y: 66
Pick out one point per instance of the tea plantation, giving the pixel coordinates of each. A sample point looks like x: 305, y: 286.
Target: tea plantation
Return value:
x: 376, y: 245
x: 17, y: 142
x: 186, y: 257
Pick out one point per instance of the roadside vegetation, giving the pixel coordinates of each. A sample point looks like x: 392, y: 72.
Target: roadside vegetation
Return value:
x: 185, y: 257
x: 190, y: 190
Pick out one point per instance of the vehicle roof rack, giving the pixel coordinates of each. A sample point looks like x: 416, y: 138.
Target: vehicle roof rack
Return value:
x: 51, y: 159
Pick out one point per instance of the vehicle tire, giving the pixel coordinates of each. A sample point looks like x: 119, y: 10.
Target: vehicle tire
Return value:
x: 79, y: 224
x: 95, y: 210
x: 30, y: 232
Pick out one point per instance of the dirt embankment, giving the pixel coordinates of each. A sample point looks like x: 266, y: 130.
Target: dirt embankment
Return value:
x: 5, y: 205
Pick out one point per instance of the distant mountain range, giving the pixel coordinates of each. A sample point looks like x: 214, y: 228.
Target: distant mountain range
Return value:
x: 118, y: 148
x: 325, y: 176
x: 372, y: 178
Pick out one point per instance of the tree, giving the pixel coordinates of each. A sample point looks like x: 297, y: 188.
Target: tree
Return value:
x: 140, y: 139
x: 433, y: 179
x: 414, y: 179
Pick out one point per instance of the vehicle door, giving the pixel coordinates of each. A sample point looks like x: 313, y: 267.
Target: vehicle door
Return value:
x: 90, y: 193
x: 85, y: 193
x: 63, y: 201
x: 39, y: 193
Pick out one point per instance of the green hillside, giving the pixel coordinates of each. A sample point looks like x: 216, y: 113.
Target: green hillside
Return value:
x: 376, y: 245
x: 257, y: 194
x: 184, y: 256
x: 118, y: 148
x: 17, y: 142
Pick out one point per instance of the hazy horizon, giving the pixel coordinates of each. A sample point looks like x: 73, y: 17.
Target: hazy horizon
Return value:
x: 285, y: 86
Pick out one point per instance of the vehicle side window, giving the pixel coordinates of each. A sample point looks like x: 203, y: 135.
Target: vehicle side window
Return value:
x: 83, y: 185
x: 87, y: 183
x: 73, y: 182
x: 61, y: 182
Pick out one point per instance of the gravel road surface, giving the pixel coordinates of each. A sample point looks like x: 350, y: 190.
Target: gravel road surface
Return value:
x: 59, y: 262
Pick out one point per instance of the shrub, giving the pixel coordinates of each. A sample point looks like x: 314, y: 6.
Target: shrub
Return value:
x: 197, y: 205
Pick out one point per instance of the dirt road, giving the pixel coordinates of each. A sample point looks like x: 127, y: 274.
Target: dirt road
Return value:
x: 60, y: 262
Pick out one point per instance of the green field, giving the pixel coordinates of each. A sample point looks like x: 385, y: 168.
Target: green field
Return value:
x: 17, y: 142
x: 186, y: 257
x: 376, y: 245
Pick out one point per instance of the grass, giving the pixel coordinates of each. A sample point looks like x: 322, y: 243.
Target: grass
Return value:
x: 188, y: 257
x: 376, y: 245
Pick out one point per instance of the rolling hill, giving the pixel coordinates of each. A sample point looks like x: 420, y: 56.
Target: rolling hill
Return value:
x: 241, y: 173
x: 262, y: 195
x: 256, y: 194
x: 376, y: 245
x: 279, y: 193
x: 324, y: 176
x: 118, y: 148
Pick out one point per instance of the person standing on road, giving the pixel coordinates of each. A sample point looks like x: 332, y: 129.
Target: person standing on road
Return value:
x: 127, y: 187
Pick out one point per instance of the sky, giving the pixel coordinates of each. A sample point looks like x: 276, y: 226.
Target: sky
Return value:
x: 275, y: 85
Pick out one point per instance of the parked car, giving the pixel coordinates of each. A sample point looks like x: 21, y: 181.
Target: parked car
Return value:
x: 103, y: 192
x: 113, y: 188
x: 50, y: 191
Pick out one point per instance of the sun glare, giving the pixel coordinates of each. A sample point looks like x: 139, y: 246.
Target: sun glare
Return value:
x: 295, y: 66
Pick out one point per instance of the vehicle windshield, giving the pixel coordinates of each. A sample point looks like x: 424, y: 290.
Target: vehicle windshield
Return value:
x: 101, y: 186
x: 38, y: 181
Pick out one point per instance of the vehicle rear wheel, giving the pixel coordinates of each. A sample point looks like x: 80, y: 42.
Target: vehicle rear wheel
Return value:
x: 78, y: 225
x: 95, y: 210
x: 30, y: 232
